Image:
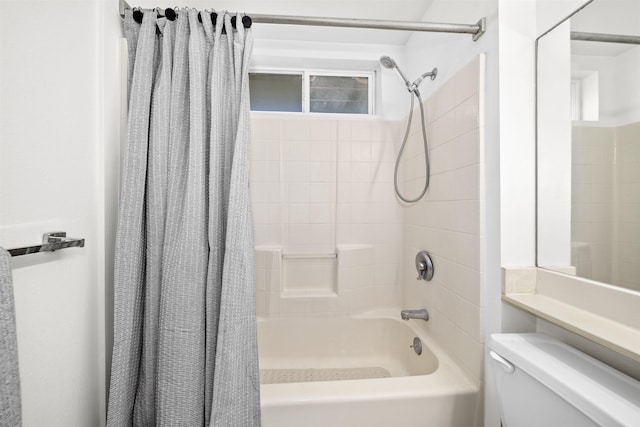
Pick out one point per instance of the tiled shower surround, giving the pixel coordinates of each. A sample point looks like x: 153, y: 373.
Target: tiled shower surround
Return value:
x: 447, y: 221
x: 332, y: 238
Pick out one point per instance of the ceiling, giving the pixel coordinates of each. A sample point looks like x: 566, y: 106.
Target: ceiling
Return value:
x: 400, y: 10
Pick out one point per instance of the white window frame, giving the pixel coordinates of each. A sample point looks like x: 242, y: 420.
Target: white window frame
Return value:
x: 306, y: 87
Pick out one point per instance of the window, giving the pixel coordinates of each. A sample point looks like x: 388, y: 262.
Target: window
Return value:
x: 337, y: 94
x: 585, y: 98
x: 312, y: 92
x: 275, y: 92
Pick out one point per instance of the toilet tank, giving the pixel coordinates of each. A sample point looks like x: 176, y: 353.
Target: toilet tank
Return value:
x: 544, y: 382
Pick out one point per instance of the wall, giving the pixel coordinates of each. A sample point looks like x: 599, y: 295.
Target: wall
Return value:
x: 447, y: 221
x: 592, y: 201
x: 327, y: 224
x: 626, y: 265
x: 112, y: 125
x: 605, y: 203
x: 553, y: 149
x: 50, y: 181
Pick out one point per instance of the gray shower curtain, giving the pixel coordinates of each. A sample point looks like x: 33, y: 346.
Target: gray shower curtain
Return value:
x: 185, y: 350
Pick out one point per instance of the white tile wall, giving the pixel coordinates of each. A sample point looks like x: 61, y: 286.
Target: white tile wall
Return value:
x: 626, y: 265
x: 323, y: 186
x: 592, y: 201
x: 446, y: 222
x: 606, y: 203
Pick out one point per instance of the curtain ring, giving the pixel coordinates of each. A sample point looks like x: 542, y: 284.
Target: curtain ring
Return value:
x: 246, y: 21
x: 138, y: 15
x: 170, y: 14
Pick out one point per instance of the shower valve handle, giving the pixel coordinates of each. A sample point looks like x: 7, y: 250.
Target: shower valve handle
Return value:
x: 424, y: 265
x: 421, y: 268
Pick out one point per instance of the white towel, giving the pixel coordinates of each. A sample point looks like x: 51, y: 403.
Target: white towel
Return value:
x: 10, y: 404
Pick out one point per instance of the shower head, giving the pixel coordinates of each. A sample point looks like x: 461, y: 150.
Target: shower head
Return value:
x: 388, y: 62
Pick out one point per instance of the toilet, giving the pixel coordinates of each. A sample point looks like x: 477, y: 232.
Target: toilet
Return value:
x: 543, y: 382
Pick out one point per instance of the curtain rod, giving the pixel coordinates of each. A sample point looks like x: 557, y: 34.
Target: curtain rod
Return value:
x: 476, y: 30
x: 605, y: 38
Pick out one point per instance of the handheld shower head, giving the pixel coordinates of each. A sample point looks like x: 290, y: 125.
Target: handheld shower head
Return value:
x: 388, y: 62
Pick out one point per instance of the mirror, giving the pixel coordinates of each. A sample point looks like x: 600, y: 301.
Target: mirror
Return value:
x: 588, y: 144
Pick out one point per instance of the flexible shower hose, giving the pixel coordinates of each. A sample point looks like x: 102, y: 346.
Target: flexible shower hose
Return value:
x: 426, y: 151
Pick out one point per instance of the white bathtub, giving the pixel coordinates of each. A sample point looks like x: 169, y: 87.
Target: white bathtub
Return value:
x: 425, y: 390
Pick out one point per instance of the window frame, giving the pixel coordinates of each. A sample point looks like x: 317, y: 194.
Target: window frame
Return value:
x: 306, y: 87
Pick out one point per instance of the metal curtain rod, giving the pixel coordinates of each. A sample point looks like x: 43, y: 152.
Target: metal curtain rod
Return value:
x: 605, y: 38
x: 50, y: 242
x: 477, y: 30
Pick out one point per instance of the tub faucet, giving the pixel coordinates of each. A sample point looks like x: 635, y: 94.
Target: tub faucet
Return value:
x: 415, y: 314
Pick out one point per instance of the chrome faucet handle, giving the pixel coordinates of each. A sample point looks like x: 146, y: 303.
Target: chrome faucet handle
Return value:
x: 424, y: 265
x: 421, y: 267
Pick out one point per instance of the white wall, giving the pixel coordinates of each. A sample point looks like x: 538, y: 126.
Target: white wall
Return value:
x: 554, y: 148
x: 50, y: 181
x: 323, y: 185
x: 112, y: 96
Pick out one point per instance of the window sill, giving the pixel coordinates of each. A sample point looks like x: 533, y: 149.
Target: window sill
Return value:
x: 602, y: 313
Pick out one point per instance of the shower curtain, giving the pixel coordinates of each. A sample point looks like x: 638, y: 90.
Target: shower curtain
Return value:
x: 185, y: 348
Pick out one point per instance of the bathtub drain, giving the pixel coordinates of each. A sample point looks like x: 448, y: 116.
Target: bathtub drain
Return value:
x: 417, y: 346
x: 281, y: 376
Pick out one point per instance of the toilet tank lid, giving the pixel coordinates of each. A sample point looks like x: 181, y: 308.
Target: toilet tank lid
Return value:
x: 604, y: 394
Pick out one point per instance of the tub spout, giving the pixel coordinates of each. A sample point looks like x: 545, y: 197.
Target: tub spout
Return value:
x: 415, y: 314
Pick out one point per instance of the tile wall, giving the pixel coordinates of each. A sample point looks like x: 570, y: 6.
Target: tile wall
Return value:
x: 447, y: 221
x: 592, y: 201
x: 606, y: 203
x: 627, y: 241
x: 328, y: 229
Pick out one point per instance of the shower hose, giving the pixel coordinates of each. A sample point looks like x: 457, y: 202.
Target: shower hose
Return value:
x: 404, y: 142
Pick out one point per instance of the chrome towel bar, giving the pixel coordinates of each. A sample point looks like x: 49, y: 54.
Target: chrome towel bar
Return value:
x: 50, y: 242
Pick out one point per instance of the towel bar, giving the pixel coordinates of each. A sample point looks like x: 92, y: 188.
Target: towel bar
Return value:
x: 50, y: 242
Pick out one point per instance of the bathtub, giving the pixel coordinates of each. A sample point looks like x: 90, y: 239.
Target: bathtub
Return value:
x: 399, y: 388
